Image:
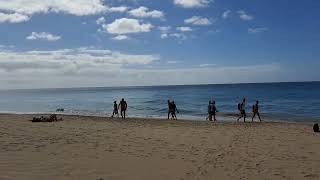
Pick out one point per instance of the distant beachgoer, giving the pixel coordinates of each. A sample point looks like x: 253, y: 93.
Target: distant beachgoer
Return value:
x: 123, y: 108
x: 316, y: 127
x: 115, y: 109
x: 255, y: 111
x: 169, y: 108
x: 242, y: 109
x: 212, y: 110
x: 174, y: 110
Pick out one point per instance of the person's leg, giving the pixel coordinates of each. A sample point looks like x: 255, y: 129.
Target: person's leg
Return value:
x: 259, y: 116
x: 168, y: 114
x: 254, y: 115
x: 124, y: 114
x: 121, y: 114
x: 210, y: 117
x: 244, y: 116
x: 214, y: 117
x: 241, y: 115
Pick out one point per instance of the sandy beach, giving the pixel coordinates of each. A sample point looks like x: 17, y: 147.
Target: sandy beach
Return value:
x: 143, y: 149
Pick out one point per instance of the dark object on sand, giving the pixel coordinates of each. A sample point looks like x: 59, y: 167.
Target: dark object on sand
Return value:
x: 316, y: 127
x: 60, y: 110
x: 52, y: 118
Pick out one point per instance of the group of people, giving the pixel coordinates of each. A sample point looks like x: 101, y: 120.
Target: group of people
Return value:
x: 242, y: 109
x: 122, y: 106
x: 172, y: 110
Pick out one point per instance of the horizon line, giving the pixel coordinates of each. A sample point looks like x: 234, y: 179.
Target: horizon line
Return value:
x: 161, y: 85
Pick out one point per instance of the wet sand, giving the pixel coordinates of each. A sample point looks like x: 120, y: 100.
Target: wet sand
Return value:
x: 144, y: 149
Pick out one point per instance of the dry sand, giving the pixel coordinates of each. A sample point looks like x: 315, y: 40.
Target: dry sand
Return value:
x: 91, y: 148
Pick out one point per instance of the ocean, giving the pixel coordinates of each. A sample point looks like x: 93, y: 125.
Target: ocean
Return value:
x: 280, y: 101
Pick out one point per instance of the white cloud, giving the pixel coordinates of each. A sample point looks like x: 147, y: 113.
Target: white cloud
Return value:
x: 13, y: 18
x: 91, y: 67
x: 257, y: 30
x: 184, y: 29
x: 83, y: 58
x: 118, y: 9
x: 101, y: 20
x: 207, y: 65
x: 179, y: 36
x: 164, y: 28
x: 43, y: 36
x: 143, y: 12
x: 198, y: 20
x: 245, y: 16
x: 226, y: 14
x: 30, y: 7
x: 164, y: 36
x: 126, y: 26
x: 121, y: 37
x: 192, y: 3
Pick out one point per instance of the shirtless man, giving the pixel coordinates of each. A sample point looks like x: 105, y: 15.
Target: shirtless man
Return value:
x: 123, y: 108
x: 242, y: 109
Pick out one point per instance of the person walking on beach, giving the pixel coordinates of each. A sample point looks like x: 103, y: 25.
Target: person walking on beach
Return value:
x: 212, y: 110
x: 174, y: 110
x: 123, y: 108
x: 242, y: 109
x: 115, y: 109
x: 255, y: 111
x: 169, y: 108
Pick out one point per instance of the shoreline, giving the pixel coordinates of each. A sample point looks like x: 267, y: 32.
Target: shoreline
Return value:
x: 222, y: 117
x: 162, y: 119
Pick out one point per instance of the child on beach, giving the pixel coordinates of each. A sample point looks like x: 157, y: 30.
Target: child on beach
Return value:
x: 115, y: 109
x: 255, y: 111
x: 242, y: 109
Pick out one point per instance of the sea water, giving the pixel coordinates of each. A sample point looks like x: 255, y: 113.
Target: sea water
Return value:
x: 282, y: 101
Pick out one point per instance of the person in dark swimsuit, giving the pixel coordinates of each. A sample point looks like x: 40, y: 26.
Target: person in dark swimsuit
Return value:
x: 255, y: 111
x: 169, y: 108
x: 212, y: 110
x: 174, y: 110
x: 115, y: 109
x: 123, y: 108
x: 242, y: 109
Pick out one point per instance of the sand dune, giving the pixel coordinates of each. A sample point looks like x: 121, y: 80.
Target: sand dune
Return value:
x: 137, y: 149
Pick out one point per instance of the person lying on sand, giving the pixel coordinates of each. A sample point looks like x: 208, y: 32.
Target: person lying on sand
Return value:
x: 51, y: 118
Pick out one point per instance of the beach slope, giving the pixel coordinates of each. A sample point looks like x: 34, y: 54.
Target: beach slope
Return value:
x: 143, y: 149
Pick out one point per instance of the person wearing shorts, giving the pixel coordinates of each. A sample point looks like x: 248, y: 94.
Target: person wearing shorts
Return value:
x: 123, y: 108
x: 242, y: 109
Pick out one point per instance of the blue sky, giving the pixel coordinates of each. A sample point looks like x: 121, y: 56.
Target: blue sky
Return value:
x: 141, y: 42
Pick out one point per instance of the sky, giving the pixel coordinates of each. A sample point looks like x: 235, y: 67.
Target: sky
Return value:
x: 98, y: 43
